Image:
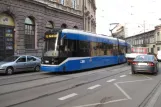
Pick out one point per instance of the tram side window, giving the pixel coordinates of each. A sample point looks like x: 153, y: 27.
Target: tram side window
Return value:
x: 68, y: 48
x: 122, y: 50
x: 115, y: 49
x: 68, y: 45
x: 104, y: 48
x: 84, y: 48
x: 101, y: 49
x: 95, y: 49
x: 109, y: 49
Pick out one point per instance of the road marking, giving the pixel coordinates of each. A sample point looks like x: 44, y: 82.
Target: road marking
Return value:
x: 119, y: 100
x: 130, y: 73
x: 93, y: 87
x: 95, y: 104
x: 111, y: 80
x: 68, y: 96
x: 123, y: 76
x: 128, y: 97
x: 135, y: 80
x: 116, y: 84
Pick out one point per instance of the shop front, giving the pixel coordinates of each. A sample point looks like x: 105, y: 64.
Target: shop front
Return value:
x: 6, y: 36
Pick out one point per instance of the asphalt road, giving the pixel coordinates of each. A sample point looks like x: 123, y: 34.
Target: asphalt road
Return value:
x: 113, y: 86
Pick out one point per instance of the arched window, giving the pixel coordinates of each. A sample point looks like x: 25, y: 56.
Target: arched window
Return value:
x: 64, y: 25
x: 75, y: 27
x: 29, y: 33
x: 49, y: 25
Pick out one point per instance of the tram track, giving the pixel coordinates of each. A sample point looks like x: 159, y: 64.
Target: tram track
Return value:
x: 63, y: 89
x: 35, y: 76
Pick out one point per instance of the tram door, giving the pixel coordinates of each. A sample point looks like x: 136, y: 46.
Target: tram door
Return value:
x: 6, y: 42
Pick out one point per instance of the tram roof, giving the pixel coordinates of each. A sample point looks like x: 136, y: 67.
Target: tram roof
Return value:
x: 76, y: 34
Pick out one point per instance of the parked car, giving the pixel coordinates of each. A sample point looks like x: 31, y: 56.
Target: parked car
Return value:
x: 145, y: 63
x: 19, y: 63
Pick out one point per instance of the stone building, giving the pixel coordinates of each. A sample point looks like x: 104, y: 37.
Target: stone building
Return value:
x: 24, y: 22
x: 150, y: 39
x: 89, y: 15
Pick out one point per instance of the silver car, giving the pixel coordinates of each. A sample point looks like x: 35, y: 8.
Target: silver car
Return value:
x: 19, y: 63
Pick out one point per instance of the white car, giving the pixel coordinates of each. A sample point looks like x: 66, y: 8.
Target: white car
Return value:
x: 159, y: 56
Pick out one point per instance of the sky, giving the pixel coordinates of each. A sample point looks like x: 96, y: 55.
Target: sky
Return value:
x: 133, y: 14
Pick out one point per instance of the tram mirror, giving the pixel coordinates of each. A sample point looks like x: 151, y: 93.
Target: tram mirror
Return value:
x: 62, y: 42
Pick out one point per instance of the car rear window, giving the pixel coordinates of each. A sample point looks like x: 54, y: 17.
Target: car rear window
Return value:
x: 144, y: 58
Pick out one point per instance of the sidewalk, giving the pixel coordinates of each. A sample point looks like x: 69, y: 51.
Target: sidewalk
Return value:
x: 158, y: 102
x: 155, y: 101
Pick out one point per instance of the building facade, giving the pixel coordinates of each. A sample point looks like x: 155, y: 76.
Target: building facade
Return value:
x: 119, y: 32
x: 24, y: 22
x: 89, y: 15
x: 150, y: 39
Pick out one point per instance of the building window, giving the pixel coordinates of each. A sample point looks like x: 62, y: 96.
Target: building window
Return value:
x: 62, y: 2
x: 74, y: 4
x: 148, y: 50
x: 158, y: 36
x: 49, y: 25
x: 29, y: 33
x: 75, y: 27
x: 158, y: 48
x: 64, y: 25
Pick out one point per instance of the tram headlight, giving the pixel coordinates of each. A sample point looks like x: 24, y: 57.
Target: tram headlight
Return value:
x: 46, y: 61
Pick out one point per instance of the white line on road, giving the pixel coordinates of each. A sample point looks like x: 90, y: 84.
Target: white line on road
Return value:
x: 68, y: 96
x: 111, y: 80
x: 95, y: 104
x: 93, y: 87
x: 123, y: 76
x: 123, y: 91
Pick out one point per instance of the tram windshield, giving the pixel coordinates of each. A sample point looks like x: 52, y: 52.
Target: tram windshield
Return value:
x: 51, y: 47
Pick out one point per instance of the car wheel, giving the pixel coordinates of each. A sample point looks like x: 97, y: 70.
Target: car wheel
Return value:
x: 9, y: 71
x: 37, y: 68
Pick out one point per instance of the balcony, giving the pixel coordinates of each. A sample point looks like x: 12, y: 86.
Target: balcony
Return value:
x: 158, y: 42
x: 56, y: 5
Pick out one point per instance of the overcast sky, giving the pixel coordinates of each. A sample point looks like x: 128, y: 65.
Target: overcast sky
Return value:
x: 131, y: 13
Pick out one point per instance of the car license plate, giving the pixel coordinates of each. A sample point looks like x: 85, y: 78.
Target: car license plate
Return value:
x: 142, y: 64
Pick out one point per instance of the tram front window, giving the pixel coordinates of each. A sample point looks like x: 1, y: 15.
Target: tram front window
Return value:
x: 51, y: 47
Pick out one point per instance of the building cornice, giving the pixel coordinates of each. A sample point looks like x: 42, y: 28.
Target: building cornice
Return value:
x: 50, y: 4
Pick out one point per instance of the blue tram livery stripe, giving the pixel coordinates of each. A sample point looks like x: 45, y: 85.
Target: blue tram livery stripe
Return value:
x: 74, y: 64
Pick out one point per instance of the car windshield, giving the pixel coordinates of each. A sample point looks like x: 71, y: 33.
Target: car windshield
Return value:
x: 11, y: 59
x: 144, y: 58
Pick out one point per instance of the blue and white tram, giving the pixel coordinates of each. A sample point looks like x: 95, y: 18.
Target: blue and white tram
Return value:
x: 67, y: 50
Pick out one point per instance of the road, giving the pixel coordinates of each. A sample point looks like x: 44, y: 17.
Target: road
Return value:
x: 112, y: 86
